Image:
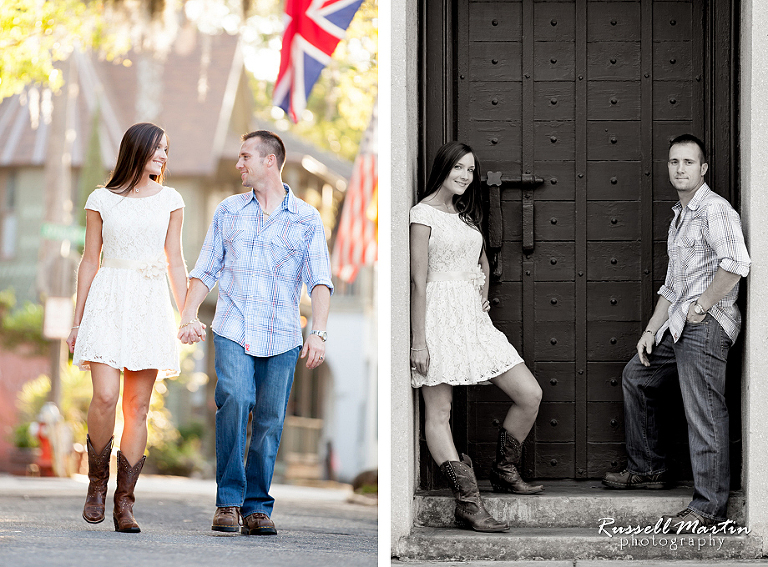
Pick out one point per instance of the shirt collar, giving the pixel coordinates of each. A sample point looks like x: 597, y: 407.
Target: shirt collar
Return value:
x: 698, y: 197
x: 290, y: 202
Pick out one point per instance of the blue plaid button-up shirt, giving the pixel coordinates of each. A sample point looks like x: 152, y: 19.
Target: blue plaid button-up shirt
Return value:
x: 260, y: 263
x: 703, y: 236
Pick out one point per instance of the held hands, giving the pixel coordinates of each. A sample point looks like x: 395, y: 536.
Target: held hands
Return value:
x: 192, y: 332
x: 420, y: 360
x: 486, y: 305
x: 313, y: 351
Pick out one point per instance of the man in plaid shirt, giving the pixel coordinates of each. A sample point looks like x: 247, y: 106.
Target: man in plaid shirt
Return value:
x: 260, y: 248
x: 687, y: 339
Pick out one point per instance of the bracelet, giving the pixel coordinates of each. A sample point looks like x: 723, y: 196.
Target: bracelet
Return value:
x: 76, y: 327
x: 649, y: 331
x: 418, y: 349
x: 195, y: 320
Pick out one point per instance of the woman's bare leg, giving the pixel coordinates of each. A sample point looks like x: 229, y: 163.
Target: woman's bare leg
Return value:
x: 101, y: 411
x: 437, y: 429
x: 137, y: 391
x: 520, y: 385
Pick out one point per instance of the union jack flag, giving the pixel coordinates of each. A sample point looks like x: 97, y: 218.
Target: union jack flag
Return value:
x: 313, y: 29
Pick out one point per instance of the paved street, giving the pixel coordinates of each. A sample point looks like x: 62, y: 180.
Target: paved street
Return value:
x: 41, y: 524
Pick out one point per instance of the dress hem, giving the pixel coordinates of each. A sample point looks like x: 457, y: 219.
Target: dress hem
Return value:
x: 161, y: 373
x: 484, y: 380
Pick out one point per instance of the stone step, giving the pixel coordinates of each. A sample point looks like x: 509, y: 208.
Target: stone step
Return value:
x: 569, y: 504
x: 445, y: 544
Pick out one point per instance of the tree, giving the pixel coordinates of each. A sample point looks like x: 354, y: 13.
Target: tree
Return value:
x: 35, y: 35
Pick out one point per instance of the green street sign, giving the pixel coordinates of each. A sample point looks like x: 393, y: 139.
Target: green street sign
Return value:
x: 74, y: 233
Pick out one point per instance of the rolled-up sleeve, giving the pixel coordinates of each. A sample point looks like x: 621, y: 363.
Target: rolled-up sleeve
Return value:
x: 210, y: 262
x: 316, y: 269
x: 726, y: 238
x: 667, y: 293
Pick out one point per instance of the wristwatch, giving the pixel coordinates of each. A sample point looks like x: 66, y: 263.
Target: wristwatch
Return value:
x: 698, y: 309
x: 322, y: 334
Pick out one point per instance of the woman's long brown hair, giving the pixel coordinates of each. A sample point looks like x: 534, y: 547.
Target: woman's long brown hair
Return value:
x: 136, y: 149
x: 468, y: 205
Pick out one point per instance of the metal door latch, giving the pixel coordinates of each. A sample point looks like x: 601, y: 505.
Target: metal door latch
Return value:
x: 496, y: 181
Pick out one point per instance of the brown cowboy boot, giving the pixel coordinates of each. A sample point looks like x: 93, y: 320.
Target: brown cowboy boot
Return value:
x: 98, y: 476
x: 504, y: 476
x: 127, y: 476
x: 470, y: 511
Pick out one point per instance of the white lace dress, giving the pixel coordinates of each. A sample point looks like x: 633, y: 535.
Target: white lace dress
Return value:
x: 128, y: 322
x: 464, y: 346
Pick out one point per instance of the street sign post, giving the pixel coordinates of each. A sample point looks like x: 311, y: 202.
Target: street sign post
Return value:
x: 74, y: 233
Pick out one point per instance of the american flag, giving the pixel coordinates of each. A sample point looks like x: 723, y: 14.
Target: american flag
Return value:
x: 313, y: 29
x: 357, y: 237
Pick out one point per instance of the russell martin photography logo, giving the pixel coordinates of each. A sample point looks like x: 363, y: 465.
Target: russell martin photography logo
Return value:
x: 665, y: 533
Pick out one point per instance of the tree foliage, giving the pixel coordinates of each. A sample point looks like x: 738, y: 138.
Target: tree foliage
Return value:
x: 35, y: 35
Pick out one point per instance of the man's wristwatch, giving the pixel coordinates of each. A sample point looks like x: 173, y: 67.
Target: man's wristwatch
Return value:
x: 322, y: 334
x: 698, y: 309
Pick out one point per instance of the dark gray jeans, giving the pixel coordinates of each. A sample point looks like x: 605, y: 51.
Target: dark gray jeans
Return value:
x: 698, y: 361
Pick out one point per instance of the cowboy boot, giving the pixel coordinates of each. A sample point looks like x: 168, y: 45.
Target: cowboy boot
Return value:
x: 127, y: 476
x: 504, y: 476
x: 98, y: 476
x: 470, y: 511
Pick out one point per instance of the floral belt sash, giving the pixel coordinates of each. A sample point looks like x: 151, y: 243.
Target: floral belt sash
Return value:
x: 150, y: 269
x: 477, y: 277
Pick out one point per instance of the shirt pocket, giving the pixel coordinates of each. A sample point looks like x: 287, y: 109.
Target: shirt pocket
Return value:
x: 689, y: 248
x: 286, y: 253
x: 235, y: 243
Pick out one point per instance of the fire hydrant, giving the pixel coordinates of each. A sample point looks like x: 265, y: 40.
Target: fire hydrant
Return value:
x: 49, y: 428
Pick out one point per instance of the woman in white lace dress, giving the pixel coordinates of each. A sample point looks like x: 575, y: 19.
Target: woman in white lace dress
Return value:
x: 123, y: 315
x: 453, y: 341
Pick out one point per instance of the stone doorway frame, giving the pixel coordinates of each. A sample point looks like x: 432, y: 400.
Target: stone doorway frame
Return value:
x: 402, y: 108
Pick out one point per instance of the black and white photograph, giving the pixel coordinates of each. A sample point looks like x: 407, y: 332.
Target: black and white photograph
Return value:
x: 577, y: 247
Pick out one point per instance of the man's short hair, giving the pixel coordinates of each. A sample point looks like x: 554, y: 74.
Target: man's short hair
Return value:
x: 690, y: 139
x: 270, y: 143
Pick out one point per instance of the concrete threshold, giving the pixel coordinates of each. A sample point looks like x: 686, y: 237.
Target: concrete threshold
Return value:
x: 558, y: 544
x: 572, y: 520
x: 569, y: 504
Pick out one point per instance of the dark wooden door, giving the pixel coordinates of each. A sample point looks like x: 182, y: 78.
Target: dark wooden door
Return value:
x: 570, y: 106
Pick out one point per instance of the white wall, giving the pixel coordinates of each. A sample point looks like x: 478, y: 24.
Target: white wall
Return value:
x: 404, y: 148
x: 754, y: 214
x: 347, y: 425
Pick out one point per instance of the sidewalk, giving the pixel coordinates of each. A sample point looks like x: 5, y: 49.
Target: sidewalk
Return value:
x: 41, y: 523
x: 162, y: 485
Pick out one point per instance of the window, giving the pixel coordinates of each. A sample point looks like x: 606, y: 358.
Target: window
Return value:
x: 8, y: 221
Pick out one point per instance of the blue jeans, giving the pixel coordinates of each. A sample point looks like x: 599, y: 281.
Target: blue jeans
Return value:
x: 698, y: 361
x: 249, y: 384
